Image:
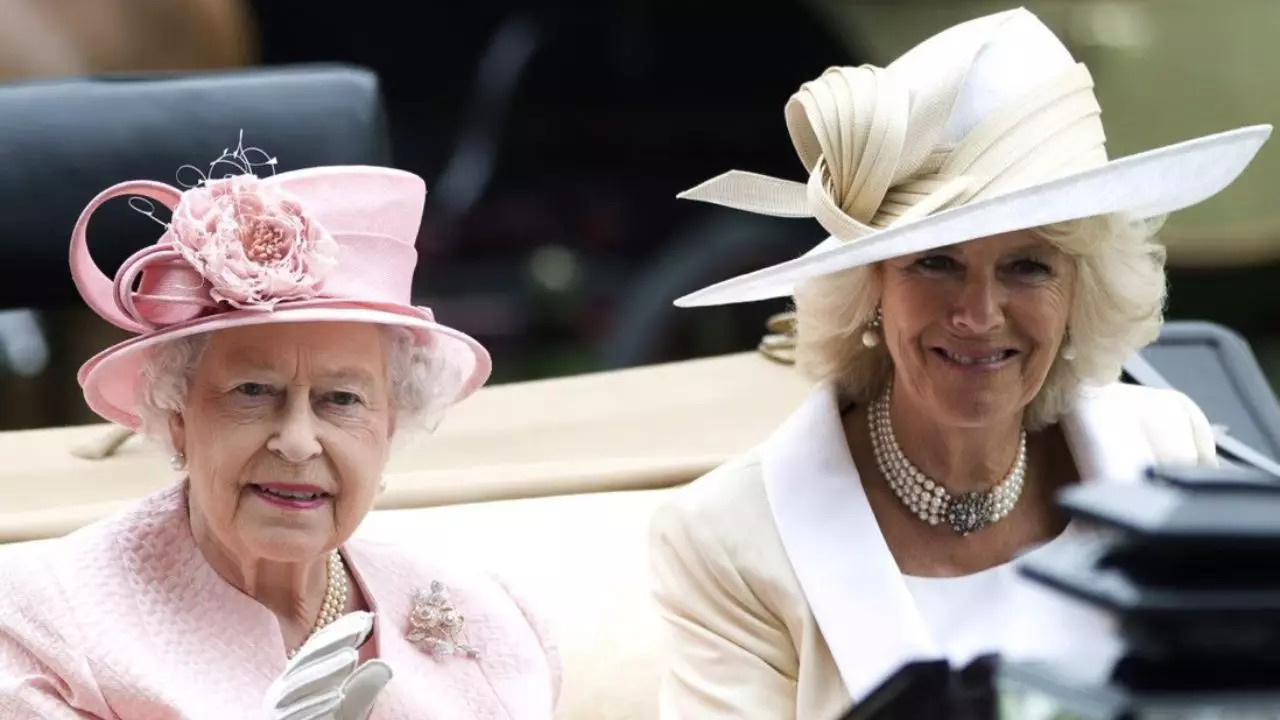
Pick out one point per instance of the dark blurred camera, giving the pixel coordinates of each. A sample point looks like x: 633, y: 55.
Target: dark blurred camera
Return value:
x: 1187, y: 563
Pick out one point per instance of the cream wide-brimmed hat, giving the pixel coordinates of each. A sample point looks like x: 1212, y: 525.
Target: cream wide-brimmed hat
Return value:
x: 987, y: 127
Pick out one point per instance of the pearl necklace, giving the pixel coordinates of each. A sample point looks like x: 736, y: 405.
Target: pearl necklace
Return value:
x: 336, y: 592
x: 927, y: 499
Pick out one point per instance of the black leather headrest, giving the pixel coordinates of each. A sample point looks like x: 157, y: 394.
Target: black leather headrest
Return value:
x: 63, y: 142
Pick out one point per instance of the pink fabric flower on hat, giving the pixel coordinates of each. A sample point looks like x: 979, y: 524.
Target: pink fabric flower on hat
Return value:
x: 253, y: 244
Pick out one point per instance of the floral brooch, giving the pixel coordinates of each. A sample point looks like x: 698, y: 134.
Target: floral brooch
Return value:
x: 436, y: 624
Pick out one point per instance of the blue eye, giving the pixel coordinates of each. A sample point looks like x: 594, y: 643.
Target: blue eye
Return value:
x: 344, y: 399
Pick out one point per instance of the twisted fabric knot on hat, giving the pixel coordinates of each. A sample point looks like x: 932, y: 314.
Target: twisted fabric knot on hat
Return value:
x: 986, y: 128
x: 874, y: 145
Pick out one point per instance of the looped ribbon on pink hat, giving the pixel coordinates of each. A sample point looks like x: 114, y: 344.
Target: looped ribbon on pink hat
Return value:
x: 876, y: 158
x: 236, y: 243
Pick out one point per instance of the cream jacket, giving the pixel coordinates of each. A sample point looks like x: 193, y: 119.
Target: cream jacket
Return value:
x: 779, y: 593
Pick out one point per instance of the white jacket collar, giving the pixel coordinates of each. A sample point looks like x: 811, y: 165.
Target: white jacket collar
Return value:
x: 850, y: 580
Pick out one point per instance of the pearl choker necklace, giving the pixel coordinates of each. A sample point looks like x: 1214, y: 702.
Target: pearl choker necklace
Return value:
x: 336, y: 592
x: 927, y: 499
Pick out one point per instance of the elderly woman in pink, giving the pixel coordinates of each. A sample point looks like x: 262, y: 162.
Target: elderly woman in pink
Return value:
x: 277, y: 356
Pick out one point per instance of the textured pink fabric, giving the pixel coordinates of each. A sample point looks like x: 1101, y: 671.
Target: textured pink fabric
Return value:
x: 372, y: 214
x: 124, y: 619
x: 341, y: 201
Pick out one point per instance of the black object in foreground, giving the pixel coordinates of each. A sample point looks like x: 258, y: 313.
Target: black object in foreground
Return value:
x: 933, y: 691
x: 1188, y: 563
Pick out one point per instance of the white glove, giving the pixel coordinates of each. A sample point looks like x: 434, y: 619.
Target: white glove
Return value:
x: 322, y: 681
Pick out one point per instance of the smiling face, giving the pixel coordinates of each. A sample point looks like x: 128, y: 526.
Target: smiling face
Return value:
x: 974, y: 328
x: 286, y: 431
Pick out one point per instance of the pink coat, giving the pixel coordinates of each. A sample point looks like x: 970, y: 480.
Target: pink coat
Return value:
x: 125, y: 619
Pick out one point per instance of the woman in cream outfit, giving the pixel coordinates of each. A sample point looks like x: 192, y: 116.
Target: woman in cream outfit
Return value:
x: 988, y: 272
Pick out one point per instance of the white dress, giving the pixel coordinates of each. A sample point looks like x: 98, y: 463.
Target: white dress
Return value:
x: 999, y: 610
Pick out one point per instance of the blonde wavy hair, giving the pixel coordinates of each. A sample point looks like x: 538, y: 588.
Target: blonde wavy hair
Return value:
x: 1117, y: 308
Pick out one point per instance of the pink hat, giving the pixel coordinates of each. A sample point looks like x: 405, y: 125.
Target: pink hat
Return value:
x: 326, y: 244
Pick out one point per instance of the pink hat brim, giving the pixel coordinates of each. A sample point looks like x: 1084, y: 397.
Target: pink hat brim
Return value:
x: 110, y: 378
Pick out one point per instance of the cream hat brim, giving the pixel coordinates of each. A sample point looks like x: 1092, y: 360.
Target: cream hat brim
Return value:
x: 1144, y: 185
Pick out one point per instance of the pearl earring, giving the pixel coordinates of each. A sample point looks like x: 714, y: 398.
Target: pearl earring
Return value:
x: 1068, y: 351
x: 178, y: 460
x: 871, y: 336
x: 382, y: 486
